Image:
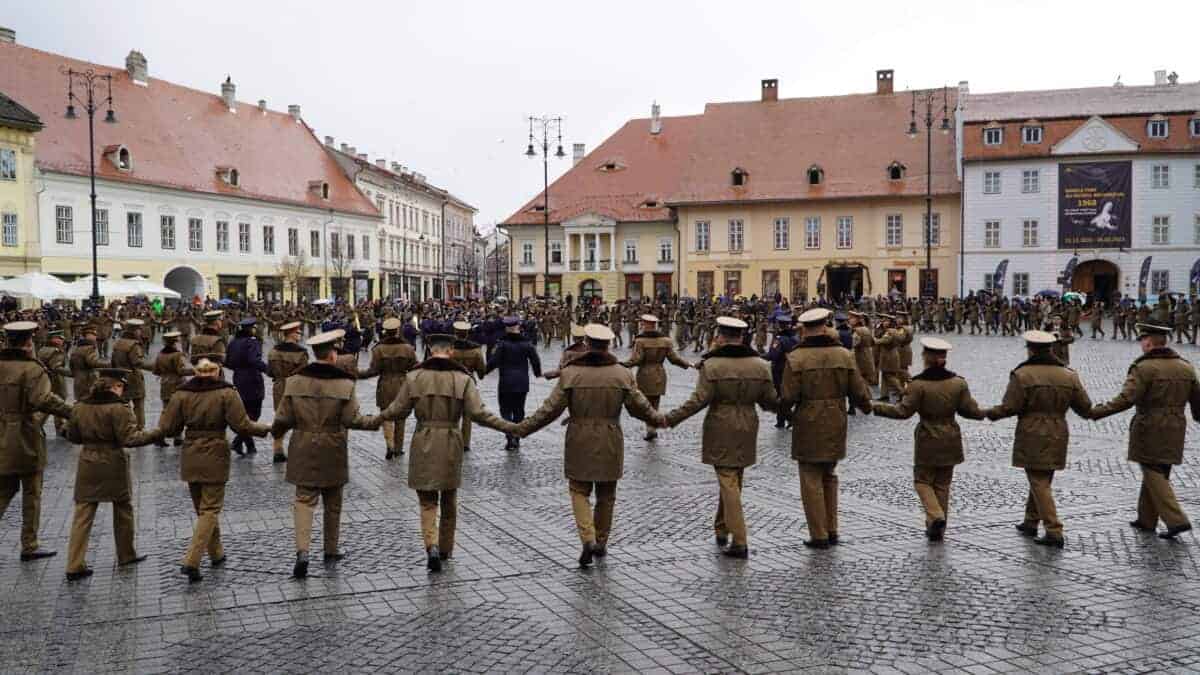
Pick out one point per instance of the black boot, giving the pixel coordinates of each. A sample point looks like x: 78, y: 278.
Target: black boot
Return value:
x: 936, y: 530
x: 250, y: 449
x: 737, y: 551
x: 237, y: 445
x: 585, y: 557
x: 177, y: 442
x: 160, y: 443
x: 1172, y: 532
x: 38, y: 554
x: 300, y: 569
x: 191, y: 573
x: 433, y: 560
x: 1027, y: 530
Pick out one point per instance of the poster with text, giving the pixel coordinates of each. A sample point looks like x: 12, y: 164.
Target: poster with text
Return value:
x: 1095, y: 205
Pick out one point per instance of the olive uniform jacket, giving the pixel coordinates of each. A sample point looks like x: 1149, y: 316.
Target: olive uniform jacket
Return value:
x: 1040, y: 391
x: 864, y: 353
x: 820, y: 374
x: 937, y: 395
x: 439, y: 392
x: 55, y: 361
x: 889, y: 351
x: 470, y: 356
x: 593, y: 387
x: 205, y: 406
x: 649, y: 352
x: 1160, y: 383
x: 171, y: 366
x: 348, y: 362
x: 129, y: 354
x: 319, y: 404
x: 284, y: 360
x: 208, y: 341
x: 25, y: 390
x: 104, y: 425
x: 733, y: 379
x: 906, y: 350
x: 391, y: 360
x: 85, y: 361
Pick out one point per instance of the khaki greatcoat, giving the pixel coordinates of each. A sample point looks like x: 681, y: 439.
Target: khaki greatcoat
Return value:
x: 1040, y: 391
x: 205, y: 406
x: 1160, y: 384
x: 25, y: 390
x: 391, y: 360
x: 818, y: 377
x: 937, y: 395
x: 104, y: 425
x: 285, y: 359
x: 650, y: 350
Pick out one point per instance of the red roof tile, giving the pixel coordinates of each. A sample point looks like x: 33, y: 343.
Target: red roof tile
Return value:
x: 178, y: 137
x: 1054, y: 131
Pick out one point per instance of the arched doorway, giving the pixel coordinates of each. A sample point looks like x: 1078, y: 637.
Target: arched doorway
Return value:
x: 590, y: 288
x: 185, y: 281
x: 1098, y: 278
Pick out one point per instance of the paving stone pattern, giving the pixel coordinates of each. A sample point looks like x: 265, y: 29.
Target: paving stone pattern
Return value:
x: 512, y: 600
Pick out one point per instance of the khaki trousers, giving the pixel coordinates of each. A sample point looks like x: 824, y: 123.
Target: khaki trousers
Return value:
x: 435, y: 531
x: 1157, y: 498
x: 730, y: 519
x: 594, y: 525
x: 891, y: 383
x: 30, y: 485
x: 650, y: 429
x: 819, y: 493
x: 1039, y: 506
x: 933, y: 489
x: 302, y: 515
x: 466, y: 431
x: 139, y: 411
x: 81, y: 531
x: 207, y: 500
x: 393, y: 435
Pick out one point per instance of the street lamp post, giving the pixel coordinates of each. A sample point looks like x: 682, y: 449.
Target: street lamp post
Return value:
x: 546, y: 124
x: 928, y: 99
x: 89, y: 80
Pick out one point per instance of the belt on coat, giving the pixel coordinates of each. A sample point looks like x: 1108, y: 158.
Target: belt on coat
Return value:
x: 439, y: 425
x: 205, y: 433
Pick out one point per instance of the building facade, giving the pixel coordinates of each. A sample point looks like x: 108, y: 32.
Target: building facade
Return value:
x: 461, y: 262
x: 20, y: 246
x: 1083, y: 189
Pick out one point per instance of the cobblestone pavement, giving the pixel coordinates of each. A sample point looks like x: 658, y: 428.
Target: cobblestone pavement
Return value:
x: 512, y: 600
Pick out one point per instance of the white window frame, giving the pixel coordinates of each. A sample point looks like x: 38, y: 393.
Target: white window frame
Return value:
x: 1020, y: 283
x: 1158, y: 129
x: 195, y: 234
x: 812, y: 233
x: 666, y: 251
x: 1160, y: 281
x: 1031, y: 181
x: 703, y: 235
x: 244, y: 245
x: 1160, y: 230
x: 737, y: 235
x: 935, y: 234
x: 350, y: 247
x: 556, y: 252
x: 366, y: 247
x: 1194, y: 126
x: 166, y: 232
x: 993, y: 136
x: 268, y: 232
x: 1160, y: 176
x: 1031, y: 135
x: 293, y: 241
x: 991, y: 234
x: 8, y: 164
x: 1029, y: 233
x: 1196, y: 229
x: 222, y: 236
x: 988, y: 281
x: 845, y: 232
x: 8, y: 228
x: 893, y: 230
x: 782, y: 234
x: 631, y: 252
x: 1196, y: 177
x: 527, y: 253
x: 314, y: 243
x: 991, y: 182
x: 102, y: 238
x: 134, y: 234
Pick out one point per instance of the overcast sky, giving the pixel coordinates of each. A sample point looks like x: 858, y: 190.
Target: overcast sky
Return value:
x: 445, y: 86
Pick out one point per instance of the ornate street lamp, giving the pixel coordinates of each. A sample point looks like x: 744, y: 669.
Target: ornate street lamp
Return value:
x: 89, y: 81
x: 546, y: 125
x: 928, y: 99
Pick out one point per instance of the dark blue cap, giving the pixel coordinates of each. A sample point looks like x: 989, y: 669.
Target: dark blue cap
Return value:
x: 511, y: 321
x: 246, y: 323
x: 783, y: 318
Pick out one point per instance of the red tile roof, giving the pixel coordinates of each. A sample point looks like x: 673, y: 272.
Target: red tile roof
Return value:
x: 177, y: 137
x: 1054, y: 131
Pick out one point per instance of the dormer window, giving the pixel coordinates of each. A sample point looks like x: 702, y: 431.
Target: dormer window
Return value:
x: 324, y: 190
x: 229, y: 175
x: 610, y: 165
x: 319, y: 188
x: 1157, y: 127
x: 895, y: 171
x: 1194, y: 125
x: 650, y: 203
x: 1031, y: 133
x: 538, y: 208
x: 739, y: 177
x: 816, y: 175
x: 993, y: 135
x: 119, y: 156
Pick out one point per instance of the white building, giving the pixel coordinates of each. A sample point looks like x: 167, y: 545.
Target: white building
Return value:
x: 1143, y: 142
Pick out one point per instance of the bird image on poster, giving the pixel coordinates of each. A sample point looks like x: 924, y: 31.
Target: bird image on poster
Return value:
x: 1095, y: 205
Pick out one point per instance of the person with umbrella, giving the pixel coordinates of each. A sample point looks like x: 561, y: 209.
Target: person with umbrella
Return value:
x: 244, y: 357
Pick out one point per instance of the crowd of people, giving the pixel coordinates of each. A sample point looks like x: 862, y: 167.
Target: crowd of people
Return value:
x: 811, y: 364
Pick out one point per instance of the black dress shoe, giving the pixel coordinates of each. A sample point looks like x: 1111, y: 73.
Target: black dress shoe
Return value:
x: 388, y: 455
x: 236, y: 446
x: 817, y: 543
x: 300, y: 569
x: 600, y: 550
x: 177, y: 442
x: 1026, y: 529
x: 834, y: 539
x: 81, y: 574
x: 585, y: 557
x: 191, y: 573
x: 1137, y: 525
x: 722, y: 540
x: 38, y: 555
x: 936, y: 530
x: 650, y: 436
x: 250, y: 449
x: 1047, y: 540
x: 132, y: 561
x: 217, y: 563
x: 279, y: 459
x: 736, y: 551
x: 445, y: 555
x: 160, y: 443
x: 780, y: 424
x: 334, y: 557
x: 466, y: 448
x: 1172, y: 532
x: 434, y: 560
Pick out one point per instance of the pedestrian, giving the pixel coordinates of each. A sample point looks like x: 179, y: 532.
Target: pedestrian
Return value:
x: 937, y: 395
x: 650, y: 349
x: 469, y: 355
x: 438, y: 392
x: 53, y: 355
x: 785, y: 341
x: 85, y: 362
x: 1160, y: 383
x: 128, y: 353
x: 211, y: 339
x: 171, y: 366
x: 514, y: 356
x: 285, y: 359
x: 320, y: 405
x: 391, y: 360
x: 1040, y: 391
x: 594, y: 387
x: 888, y: 350
x: 244, y: 357
x: 733, y: 379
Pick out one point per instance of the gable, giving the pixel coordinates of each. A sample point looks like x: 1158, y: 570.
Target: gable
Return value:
x: 1092, y: 137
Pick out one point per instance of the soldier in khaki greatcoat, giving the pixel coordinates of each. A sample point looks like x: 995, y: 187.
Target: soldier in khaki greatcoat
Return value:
x: 594, y: 387
x: 578, y: 347
x: 888, y: 348
x: 391, y: 360
x: 171, y: 366
x: 85, y: 362
x: 128, y: 353
x: 1040, y: 391
x: 733, y: 379
x: 819, y: 377
x: 200, y: 410
x: 25, y: 395
x: 439, y: 392
x: 54, y: 357
x: 937, y: 395
x: 212, y: 338
x: 650, y: 349
x: 1160, y: 383
x: 864, y: 347
x: 320, y: 405
x: 470, y: 356
x: 285, y: 359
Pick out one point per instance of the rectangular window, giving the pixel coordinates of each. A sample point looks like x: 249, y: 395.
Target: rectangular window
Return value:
x: 993, y: 136
x: 934, y: 232
x: 366, y: 249
x: 556, y: 253
x: 666, y: 251
x: 1029, y: 233
x: 166, y: 232
x: 102, y: 227
x: 895, y: 230
x: 1160, y: 282
x: 133, y: 229
x: 812, y: 232
x: 733, y: 284
x: 987, y: 281
x: 704, y: 284
x: 268, y: 240
x: 196, y: 234
x: 1196, y: 177
x: 783, y: 234
x: 1031, y: 181
x: 1160, y: 176
x: 1031, y: 135
x: 314, y: 244
x: 702, y: 235
x: 8, y: 164
x: 335, y: 246
x: 1194, y: 125
x: 631, y: 251
x: 991, y: 182
x: 736, y: 233
x: 527, y: 253
x: 991, y: 234
x: 222, y: 235
x: 9, y: 222
x: 1157, y: 129
x: 845, y: 232
x: 293, y: 241
x: 244, y: 237
x: 1021, y: 283
x: 1196, y: 230
x: 64, y: 225
x: 1160, y: 232
x: 350, y: 247
x: 770, y: 283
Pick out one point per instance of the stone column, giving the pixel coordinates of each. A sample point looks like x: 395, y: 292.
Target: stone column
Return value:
x: 612, y: 250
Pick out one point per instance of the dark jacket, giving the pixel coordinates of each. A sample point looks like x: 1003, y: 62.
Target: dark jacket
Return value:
x: 514, y: 356
x: 244, y: 356
x: 784, y: 342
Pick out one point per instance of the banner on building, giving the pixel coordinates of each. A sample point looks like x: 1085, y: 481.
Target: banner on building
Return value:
x: 1068, y: 273
x: 1144, y: 278
x: 1195, y: 277
x: 998, y: 277
x: 1095, y: 205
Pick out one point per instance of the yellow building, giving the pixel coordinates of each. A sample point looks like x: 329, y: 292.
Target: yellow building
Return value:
x: 19, y: 246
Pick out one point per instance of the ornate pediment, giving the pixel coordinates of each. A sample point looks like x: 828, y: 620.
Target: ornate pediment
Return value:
x: 589, y: 219
x: 1093, y: 137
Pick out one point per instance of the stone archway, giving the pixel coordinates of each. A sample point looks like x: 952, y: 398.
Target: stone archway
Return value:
x: 185, y: 281
x: 590, y: 288
x: 1097, y: 278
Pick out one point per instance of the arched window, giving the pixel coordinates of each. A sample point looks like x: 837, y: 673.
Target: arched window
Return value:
x: 324, y: 190
x: 590, y: 289
x: 234, y: 177
x: 816, y: 175
x: 739, y: 177
x: 124, y: 162
x: 895, y: 171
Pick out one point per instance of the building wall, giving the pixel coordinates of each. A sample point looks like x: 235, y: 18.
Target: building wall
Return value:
x: 409, y: 236
x: 18, y: 197
x: 868, y: 245
x: 1044, y: 262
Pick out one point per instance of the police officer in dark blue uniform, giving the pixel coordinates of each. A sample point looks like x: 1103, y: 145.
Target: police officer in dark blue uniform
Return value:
x: 785, y: 341
x: 514, y: 356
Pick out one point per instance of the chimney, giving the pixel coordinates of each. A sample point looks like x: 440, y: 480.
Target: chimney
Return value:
x: 329, y: 141
x: 396, y: 167
x: 352, y: 151
x: 883, y: 81
x: 135, y: 65
x: 262, y: 106
x: 294, y: 111
x: 362, y: 156
x: 228, y: 90
x: 655, y: 119
x: 381, y: 163
x: 770, y: 90
x: 8, y: 35
x: 346, y: 148
x: 1160, y: 78
x: 577, y: 153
